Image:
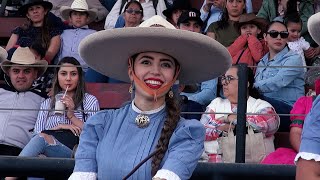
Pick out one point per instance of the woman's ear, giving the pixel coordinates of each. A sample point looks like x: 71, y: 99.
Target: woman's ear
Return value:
x: 130, y: 73
x: 265, y: 36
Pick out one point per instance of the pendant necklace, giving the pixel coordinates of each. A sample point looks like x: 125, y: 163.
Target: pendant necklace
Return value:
x: 142, y: 120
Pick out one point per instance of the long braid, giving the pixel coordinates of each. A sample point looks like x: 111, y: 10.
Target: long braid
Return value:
x: 173, y: 116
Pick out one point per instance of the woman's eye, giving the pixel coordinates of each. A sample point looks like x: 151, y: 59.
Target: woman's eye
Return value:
x: 145, y: 62
x: 167, y: 65
x: 74, y: 74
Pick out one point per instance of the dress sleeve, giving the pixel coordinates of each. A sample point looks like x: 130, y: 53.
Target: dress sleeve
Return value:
x: 85, y: 158
x: 238, y: 45
x: 17, y: 31
x: 265, y: 122
x: 42, y: 117
x: 299, y: 107
x: 310, y: 140
x: 92, y: 105
x: 211, y: 123
x: 185, y: 148
x: 256, y: 48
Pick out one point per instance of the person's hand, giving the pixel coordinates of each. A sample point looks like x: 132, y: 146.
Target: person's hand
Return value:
x: 68, y: 102
x: 231, y: 118
x: 74, y: 129
x: 226, y: 127
x: 208, y: 5
x: 311, y: 52
x: 49, y: 92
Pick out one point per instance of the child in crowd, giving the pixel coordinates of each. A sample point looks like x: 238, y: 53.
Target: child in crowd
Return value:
x: 79, y: 16
x: 296, y: 42
x: 247, y: 48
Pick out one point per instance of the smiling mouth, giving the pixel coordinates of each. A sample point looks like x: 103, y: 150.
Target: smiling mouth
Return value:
x: 153, y: 84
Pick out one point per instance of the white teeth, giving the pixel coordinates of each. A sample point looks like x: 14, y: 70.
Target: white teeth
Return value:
x: 153, y: 82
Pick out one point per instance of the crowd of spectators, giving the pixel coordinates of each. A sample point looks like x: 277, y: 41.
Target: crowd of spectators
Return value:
x: 274, y: 43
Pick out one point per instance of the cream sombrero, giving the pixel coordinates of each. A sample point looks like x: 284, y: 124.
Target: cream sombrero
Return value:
x: 78, y: 5
x: 201, y: 58
x: 23, y: 56
x: 3, y: 54
x: 314, y: 27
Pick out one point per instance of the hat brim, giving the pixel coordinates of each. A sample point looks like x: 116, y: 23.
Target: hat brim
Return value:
x: 41, y: 65
x: 314, y: 27
x: 201, y: 58
x: 24, y: 9
x: 65, y: 13
x: 168, y: 12
x: 3, y: 54
x: 260, y: 22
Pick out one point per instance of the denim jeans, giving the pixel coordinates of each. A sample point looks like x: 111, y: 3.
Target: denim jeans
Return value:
x: 38, y: 145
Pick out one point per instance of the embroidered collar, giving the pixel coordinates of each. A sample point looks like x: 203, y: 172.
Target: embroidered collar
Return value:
x: 137, y: 110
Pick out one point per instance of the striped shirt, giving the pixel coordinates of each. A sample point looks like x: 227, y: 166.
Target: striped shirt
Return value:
x: 47, y: 119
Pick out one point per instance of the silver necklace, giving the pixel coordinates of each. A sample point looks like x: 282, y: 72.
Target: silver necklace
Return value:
x: 142, y: 120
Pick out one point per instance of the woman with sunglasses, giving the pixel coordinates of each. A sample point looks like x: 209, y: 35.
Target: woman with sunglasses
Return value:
x: 218, y: 125
x: 280, y: 86
x: 133, y: 14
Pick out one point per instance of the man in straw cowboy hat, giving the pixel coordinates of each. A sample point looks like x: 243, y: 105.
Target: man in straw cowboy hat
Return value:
x: 16, y: 125
x: 79, y: 16
x: 114, y: 142
x: 308, y: 158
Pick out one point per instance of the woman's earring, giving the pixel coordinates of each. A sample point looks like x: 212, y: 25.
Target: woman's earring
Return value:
x: 170, y: 94
x: 131, y: 88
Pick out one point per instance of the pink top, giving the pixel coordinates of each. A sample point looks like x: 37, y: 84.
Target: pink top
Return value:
x: 301, y: 106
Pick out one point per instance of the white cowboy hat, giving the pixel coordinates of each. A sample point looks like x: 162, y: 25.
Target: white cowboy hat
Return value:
x: 3, y: 54
x: 23, y: 56
x: 200, y: 57
x: 81, y: 6
x: 314, y: 27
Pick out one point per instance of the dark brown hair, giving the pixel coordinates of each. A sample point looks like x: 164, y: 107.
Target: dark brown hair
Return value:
x: 79, y: 91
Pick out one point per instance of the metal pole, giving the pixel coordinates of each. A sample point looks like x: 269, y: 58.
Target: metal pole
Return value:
x: 241, y: 113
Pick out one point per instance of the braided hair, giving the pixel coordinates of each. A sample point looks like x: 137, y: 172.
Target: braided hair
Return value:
x: 173, y: 116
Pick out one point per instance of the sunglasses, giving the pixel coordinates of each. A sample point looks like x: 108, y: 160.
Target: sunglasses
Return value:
x: 131, y: 11
x: 274, y: 34
x: 227, y: 79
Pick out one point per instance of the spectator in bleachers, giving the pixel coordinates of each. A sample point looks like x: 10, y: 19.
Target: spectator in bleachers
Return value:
x: 298, y: 114
x: 96, y: 5
x: 56, y: 134
x: 206, y: 91
x: 296, y: 42
x: 149, y: 8
x: 132, y: 16
x: 18, y: 93
x: 211, y: 11
x: 272, y: 9
x: 173, y: 12
x: 281, y: 87
x: 79, y: 17
x: 113, y: 142
x: 266, y: 122
x: 37, y: 29
x: 308, y: 157
x: 225, y: 30
x: 249, y: 47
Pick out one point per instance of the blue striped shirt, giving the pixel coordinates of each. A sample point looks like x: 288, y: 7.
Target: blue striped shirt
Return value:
x: 47, y: 119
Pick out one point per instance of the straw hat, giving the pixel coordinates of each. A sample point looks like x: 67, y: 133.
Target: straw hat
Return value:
x: 81, y: 6
x: 251, y: 18
x: 200, y: 57
x: 28, y: 3
x: 314, y: 27
x: 3, y: 54
x: 23, y: 56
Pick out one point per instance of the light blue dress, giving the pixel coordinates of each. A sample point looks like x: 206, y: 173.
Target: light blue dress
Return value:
x: 111, y: 144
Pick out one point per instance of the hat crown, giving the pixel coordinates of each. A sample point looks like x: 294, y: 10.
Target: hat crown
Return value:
x: 157, y: 21
x: 30, y: 1
x: 247, y: 17
x: 3, y: 54
x: 80, y: 4
x: 24, y: 56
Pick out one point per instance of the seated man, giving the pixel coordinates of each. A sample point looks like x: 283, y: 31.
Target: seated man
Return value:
x: 205, y: 91
x: 18, y: 93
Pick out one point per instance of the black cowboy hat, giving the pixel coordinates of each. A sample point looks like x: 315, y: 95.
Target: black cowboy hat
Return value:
x: 177, y: 4
x: 28, y: 3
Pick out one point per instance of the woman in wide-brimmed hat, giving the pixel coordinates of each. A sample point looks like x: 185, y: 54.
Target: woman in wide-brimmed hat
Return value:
x: 309, y: 155
x: 113, y: 142
x: 38, y: 29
